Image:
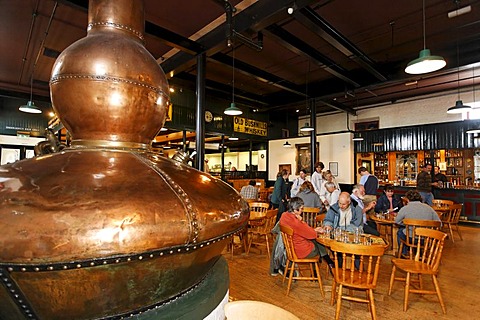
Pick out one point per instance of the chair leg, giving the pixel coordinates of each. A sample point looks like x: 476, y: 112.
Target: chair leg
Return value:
x: 268, y: 246
x: 400, y: 249
x: 339, y: 302
x: 372, y: 304
x: 392, y: 279
x: 451, y: 232
x: 290, y: 278
x: 407, y: 291
x: 439, y: 294
x: 334, y: 292
x: 319, y: 279
x: 458, y: 231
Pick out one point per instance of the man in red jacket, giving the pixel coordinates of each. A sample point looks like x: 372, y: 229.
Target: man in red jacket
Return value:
x: 304, y: 236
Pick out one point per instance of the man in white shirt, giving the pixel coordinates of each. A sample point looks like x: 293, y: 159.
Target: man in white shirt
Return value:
x: 331, y: 195
x: 297, y: 183
x: 358, y: 192
x: 317, y: 177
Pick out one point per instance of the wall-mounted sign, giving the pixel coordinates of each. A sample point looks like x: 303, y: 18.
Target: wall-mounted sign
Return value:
x: 249, y: 126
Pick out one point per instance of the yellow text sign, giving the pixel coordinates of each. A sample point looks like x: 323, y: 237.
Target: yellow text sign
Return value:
x: 249, y: 126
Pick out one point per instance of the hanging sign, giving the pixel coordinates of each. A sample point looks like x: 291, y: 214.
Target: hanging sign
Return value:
x: 249, y: 126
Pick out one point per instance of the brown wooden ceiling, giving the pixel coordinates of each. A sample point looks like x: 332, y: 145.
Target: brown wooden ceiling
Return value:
x: 341, y: 54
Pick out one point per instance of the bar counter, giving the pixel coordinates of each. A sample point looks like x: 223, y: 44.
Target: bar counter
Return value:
x: 469, y: 196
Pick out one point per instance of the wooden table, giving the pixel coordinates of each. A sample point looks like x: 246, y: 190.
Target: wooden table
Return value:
x: 375, y: 240
x: 388, y: 222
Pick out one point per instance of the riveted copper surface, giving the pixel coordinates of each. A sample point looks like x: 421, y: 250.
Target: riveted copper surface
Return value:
x: 107, y: 228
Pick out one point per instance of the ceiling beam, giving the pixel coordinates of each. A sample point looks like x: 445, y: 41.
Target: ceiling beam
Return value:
x: 300, y: 47
x: 311, y: 20
x: 259, y: 74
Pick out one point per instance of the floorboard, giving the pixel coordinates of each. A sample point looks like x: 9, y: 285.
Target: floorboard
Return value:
x: 459, y: 281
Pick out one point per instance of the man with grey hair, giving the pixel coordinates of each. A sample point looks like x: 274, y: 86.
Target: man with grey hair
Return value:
x: 343, y: 215
x: 358, y: 193
x: 331, y: 194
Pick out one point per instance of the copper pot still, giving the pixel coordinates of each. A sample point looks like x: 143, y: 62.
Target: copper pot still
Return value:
x: 108, y: 228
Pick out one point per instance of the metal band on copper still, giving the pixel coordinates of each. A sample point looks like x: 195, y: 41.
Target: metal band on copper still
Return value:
x: 107, y: 228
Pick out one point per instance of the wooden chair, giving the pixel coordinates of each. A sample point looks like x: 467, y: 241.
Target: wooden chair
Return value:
x: 347, y: 276
x: 411, y: 240
x: 309, y: 214
x: 441, y: 202
x: 292, y: 267
x: 242, y: 237
x: 259, y: 207
x: 263, y: 195
x: 451, y: 218
x: 427, y: 261
x: 259, y: 234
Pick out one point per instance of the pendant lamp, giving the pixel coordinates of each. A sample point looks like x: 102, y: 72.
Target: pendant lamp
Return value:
x: 459, y: 107
x: 425, y: 63
x: 306, y: 128
x: 287, y: 144
x: 357, y: 137
x: 232, y: 110
x: 30, y: 107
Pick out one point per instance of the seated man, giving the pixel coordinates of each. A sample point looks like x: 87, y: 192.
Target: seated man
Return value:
x: 414, y: 209
x: 369, y: 226
x: 249, y: 191
x: 304, y: 236
x: 343, y: 215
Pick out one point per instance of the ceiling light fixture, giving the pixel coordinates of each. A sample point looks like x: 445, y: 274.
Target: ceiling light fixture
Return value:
x: 30, y: 107
x: 306, y: 127
x: 287, y: 144
x: 233, y: 110
x: 292, y: 8
x: 357, y: 137
x: 233, y: 138
x: 459, y: 107
x: 425, y: 63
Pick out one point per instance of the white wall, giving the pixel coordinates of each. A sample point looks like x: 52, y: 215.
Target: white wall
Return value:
x: 332, y: 148
x: 20, y: 141
x: 339, y: 147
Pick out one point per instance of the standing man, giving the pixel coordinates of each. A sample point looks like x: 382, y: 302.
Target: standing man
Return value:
x: 424, y: 184
x: 298, y: 182
x: 439, y: 177
x: 370, y: 182
x: 317, y: 177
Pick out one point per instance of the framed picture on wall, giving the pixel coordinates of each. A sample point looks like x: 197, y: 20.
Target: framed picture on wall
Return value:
x: 304, y: 156
x: 333, y: 167
x: 287, y: 167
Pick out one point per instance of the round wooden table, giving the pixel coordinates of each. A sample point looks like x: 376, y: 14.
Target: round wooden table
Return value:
x: 387, y: 221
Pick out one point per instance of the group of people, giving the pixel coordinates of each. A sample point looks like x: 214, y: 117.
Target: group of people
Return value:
x: 321, y: 191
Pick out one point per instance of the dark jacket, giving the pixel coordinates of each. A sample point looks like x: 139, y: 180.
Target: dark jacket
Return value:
x: 280, y: 191
x: 424, y: 182
x: 383, y: 204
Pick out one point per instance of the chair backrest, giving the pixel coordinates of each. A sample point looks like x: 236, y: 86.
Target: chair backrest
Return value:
x: 320, y: 217
x: 431, y: 247
x: 263, y: 195
x: 453, y: 215
x: 287, y: 237
x: 309, y: 214
x: 362, y: 270
x: 268, y: 222
x: 261, y: 207
x: 411, y: 225
x: 441, y: 202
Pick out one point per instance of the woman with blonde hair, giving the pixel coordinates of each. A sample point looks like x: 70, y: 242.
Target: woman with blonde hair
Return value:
x: 309, y: 196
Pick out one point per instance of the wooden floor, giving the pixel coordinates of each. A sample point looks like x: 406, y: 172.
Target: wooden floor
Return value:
x: 459, y: 282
